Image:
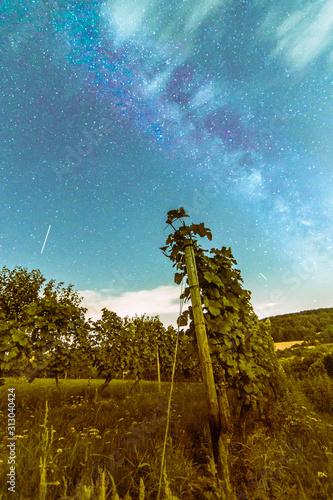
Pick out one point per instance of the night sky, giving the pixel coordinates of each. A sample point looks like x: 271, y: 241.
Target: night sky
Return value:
x: 113, y: 113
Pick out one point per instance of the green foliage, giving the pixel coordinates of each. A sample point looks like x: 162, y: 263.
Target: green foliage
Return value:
x: 109, y: 340
x: 319, y: 391
x: 18, y: 288
x: 293, y: 462
x: 242, y: 348
x: 41, y: 325
x: 43, y: 331
x: 132, y: 344
x: 123, y: 436
x: 307, y: 362
x: 313, y: 325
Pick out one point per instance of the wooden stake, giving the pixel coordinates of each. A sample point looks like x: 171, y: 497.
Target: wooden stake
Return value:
x: 158, y: 370
x: 218, y: 405
x: 203, y: 347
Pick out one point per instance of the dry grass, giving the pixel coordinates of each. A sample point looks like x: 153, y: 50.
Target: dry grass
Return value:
x: 75, y: 447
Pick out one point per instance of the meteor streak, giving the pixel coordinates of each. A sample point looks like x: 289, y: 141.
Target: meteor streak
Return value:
x: 47, y: 234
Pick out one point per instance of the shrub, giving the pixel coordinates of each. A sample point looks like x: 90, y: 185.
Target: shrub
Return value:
x: 319, y: 390
x: 308, y: 362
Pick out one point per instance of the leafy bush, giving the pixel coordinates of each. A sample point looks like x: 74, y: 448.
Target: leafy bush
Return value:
x: 308, y: 362
x: 328, y: 364
x: 319, y: 390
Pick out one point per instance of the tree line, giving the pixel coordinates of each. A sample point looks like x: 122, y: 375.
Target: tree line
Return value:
x: 313, y: 325
x: 44, y: 333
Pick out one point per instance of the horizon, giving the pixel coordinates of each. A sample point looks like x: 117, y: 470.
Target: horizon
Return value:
x: 165, y: 306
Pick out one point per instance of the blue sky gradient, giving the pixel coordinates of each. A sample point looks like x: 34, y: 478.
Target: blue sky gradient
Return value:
x: 115, y: 112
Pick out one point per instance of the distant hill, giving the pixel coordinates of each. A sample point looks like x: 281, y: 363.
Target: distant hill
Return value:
x: 316, y: 324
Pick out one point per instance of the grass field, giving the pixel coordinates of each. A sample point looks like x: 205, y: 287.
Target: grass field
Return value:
x: 285, y: 345
x: 71, y: 445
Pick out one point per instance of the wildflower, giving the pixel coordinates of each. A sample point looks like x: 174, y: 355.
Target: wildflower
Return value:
x: 59, y: 450
x: 94, y: 433
x: 322, y: 474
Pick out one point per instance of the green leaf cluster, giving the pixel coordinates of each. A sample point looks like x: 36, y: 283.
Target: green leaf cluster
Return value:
x: 311, y: 326
x: 132, y: 344
x: 43, y: 331
x: 242, y: 348
x: 41, y: 324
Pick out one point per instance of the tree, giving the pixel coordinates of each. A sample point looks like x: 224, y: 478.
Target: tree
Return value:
x: 17, y: 289
x: 108, y: 337
x: 132, y: 344
x: 304, y: 325
x: 58, y: 328
x: 40, y: 324
x: 326, y: 336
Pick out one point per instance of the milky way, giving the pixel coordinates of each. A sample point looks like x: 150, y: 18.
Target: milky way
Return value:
x: 147, y: 62
x: 223, y: 106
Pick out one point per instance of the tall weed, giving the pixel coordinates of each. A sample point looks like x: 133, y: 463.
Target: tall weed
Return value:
x: 78, y: 448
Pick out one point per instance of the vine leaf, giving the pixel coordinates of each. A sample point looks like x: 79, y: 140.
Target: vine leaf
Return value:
x: 212, y: 278
x: 178, y: 278
x: 176, y: 214
x: 244, y: 353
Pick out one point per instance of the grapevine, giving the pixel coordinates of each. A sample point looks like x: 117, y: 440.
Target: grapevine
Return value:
x: 242, y: 349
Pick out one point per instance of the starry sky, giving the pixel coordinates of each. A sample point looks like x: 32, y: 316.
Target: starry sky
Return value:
x: 114, y: 112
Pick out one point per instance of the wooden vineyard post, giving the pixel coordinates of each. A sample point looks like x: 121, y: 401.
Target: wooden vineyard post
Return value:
x: 218, y: 441
x: 158, y: 370
x: 202, y: 341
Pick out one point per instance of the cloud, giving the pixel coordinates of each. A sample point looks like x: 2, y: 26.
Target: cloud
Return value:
x: 204, y: 95
x: 146, y: 21
x: 266, y: 309
x: 200, y: 11
x: 304, y: 34
x: 162, y: 301
x: 252, y: 185
x: 126, y: 17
